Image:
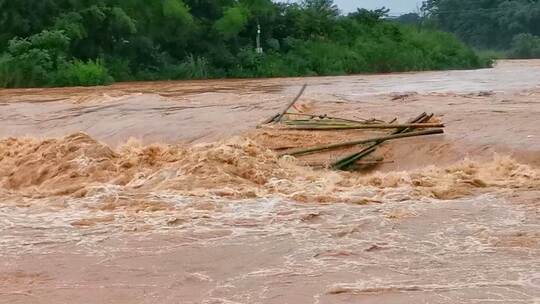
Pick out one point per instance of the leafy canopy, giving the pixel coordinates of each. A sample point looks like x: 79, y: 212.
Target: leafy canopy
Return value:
x: 90, y: 42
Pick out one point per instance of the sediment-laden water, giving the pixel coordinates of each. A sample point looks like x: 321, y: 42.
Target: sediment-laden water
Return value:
x: 166, y: 193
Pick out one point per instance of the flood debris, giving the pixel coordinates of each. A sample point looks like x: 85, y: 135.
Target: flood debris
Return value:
x: 279, y: 117
x: 365, y: 145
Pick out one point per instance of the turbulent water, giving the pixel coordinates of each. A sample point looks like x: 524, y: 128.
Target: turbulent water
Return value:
x: 92, y: 211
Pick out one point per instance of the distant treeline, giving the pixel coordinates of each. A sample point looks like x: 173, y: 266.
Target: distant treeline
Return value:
x: 91, y: 42
x: 511, y: 26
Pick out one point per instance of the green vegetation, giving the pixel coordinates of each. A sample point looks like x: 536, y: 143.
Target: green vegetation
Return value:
x: 509, y: 26
x: 83, y: 42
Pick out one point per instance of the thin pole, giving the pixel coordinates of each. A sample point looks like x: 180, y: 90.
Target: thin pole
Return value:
x: 360, y: 142
x: 355, y: 157
x: 280, y: 117
x: 362, y: 126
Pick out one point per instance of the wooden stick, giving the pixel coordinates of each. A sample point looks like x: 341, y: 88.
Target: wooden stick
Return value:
x: 360, y: 142
x: 311, y: 127
x: 280, y: 117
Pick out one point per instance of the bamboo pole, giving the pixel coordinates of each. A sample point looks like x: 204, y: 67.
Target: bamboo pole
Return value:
x: 374, y: 162
x: 424, y: 119
x: 311, y: 124
x: 360, y: 142
x: 270, y: 120
x: 308, y: 127
x: 280, y: 117
x: 331, y: 121
x: 324, y: 116
x: 355, y: 157
x: 317, y: 122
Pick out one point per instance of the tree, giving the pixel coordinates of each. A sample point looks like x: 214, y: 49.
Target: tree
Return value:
x: 487, y: 24
x: 68, y: 42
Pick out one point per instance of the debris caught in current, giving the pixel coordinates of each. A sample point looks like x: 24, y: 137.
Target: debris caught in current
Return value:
x: 421, y: 125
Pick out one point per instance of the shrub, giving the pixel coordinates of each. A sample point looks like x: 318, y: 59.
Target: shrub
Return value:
x: 525, y: 46
x: 83, y: 73
x: 32, y: 61
x: 191, y: 68
x: 30, y: 69
x: 119, y: 69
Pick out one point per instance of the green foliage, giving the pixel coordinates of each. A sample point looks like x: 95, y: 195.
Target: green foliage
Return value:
x: 177, y: 10
x: 120, y: 22
x: 40, y: 60
x: 27, y: 70
x: 233, y: 22
x: 72, y: 25
x: 79, y: 73
x: 490, y: 54
x: 54, y: 41
x: 495, y: 24
x: 191, y: 68
x: 410, y: 18
x: 81, y: 42
x: 525, y: 46
x: 31, y: 61
x: 119, y: 69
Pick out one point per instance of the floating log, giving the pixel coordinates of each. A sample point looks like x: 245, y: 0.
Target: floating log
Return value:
x: 360, y: 142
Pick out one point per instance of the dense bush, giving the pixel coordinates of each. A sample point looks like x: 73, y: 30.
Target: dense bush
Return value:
x: 407, y: 50
x: 75, y: 42
x: 504, y: 25
x: 525, y: 46
x: 81, y: 73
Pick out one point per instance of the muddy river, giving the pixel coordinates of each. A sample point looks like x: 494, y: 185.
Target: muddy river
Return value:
x: 166, y: 192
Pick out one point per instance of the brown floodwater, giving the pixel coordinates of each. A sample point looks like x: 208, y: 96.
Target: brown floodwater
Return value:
x: 166, y: 192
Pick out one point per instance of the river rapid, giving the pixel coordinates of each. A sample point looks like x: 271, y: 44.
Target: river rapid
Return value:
x: 166, y: 192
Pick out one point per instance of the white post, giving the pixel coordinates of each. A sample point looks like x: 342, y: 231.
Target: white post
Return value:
x: 259, y: 48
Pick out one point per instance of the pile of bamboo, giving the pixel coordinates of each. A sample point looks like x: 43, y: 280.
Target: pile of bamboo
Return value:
x: 418, y: 126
